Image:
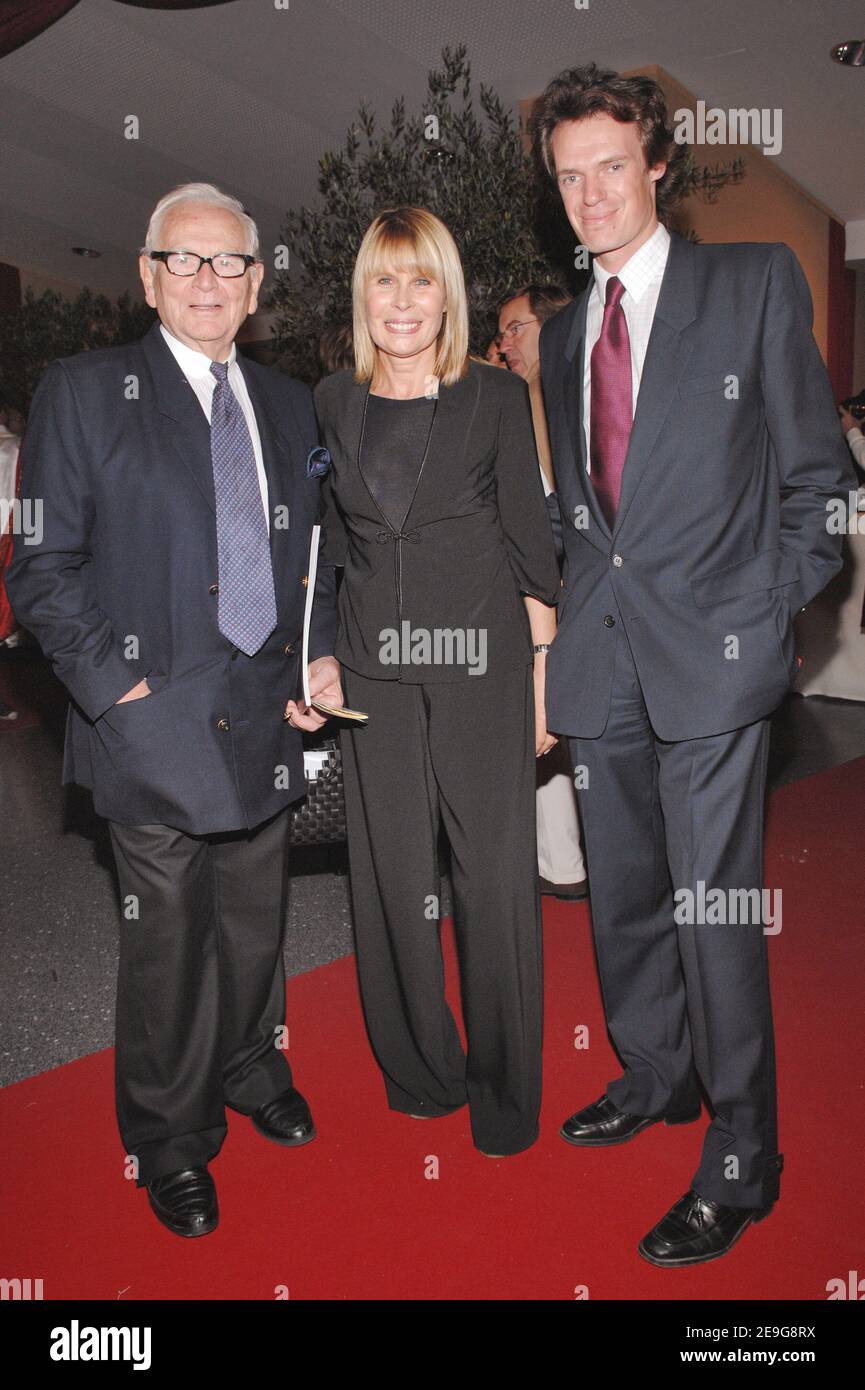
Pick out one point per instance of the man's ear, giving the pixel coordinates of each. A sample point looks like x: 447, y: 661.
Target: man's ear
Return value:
x: 145, y: 270
x: 256, y: 276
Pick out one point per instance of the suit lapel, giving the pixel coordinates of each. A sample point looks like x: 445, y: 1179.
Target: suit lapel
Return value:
x: 357, y: 392
x: 281, y: 440
x: 176, y: 401
x: 451, y: 428
x: 572, y: 385
x: 665, y: 361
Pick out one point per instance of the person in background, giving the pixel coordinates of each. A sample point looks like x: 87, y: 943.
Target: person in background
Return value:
x: 11, y: 429
x: 336, y: 349
x: 853, y: 434
x: 9, y: 471
x: 856, y: 439
x: 561, y: 867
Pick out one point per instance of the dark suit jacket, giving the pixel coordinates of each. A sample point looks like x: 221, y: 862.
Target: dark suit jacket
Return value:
x: 122, y: 585
x: 721, y: 531
x: 477, y: 533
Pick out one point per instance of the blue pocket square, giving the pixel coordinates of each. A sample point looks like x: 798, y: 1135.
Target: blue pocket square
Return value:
x: 318, y: 462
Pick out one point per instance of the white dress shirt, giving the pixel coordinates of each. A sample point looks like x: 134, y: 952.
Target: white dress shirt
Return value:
x: 641, y: 277
x: 196, y: 368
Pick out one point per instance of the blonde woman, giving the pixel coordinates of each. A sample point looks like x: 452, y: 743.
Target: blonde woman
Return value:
x: 434, y: 506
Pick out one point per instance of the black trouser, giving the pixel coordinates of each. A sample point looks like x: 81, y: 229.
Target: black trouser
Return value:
x: 200, y: 987
x: 463, y: 752
x: 684, y: 999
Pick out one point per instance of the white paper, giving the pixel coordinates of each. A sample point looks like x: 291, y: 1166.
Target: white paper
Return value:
x: 307, y: 612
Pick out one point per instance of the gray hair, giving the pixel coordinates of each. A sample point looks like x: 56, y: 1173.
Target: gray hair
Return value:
x: 199, y: 193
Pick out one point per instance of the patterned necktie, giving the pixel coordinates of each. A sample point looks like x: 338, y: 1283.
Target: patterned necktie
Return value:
x: 247, y: 602
x: 611, y: 411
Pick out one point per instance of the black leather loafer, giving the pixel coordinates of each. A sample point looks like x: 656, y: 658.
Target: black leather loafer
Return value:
x: 603, y: 1123
x: 285, y: 1120
x: 185, y: 1201
x: 696, y: 1230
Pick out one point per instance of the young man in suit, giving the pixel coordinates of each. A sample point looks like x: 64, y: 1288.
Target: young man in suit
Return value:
x: 696, y: 451
x: 179, y: 483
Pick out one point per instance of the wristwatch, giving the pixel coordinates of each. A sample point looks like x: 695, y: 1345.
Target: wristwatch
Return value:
x: 541, y: 647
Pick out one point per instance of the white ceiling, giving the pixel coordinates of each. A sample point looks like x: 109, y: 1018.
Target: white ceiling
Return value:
x: 249, y: 96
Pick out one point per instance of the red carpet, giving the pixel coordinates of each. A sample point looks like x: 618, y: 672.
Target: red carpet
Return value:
x: 352, y: 1215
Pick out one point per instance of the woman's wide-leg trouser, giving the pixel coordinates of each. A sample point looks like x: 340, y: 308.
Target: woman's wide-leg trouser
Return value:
x: 462, y: 754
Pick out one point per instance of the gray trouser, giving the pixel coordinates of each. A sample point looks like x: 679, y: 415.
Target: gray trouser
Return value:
x: 684, y: 999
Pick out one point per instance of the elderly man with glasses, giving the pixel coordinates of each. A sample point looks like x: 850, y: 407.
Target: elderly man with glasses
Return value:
x: 179, y: 483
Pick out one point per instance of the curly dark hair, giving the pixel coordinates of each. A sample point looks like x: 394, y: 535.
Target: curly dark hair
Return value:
x: 580, y: 92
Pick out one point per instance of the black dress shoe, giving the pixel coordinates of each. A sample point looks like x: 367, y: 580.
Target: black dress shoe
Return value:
x: 285, y: 1120
x: 185, y: 1201
x: 565, y: 892
x: 604, y: 1123
x: 696, y: 1230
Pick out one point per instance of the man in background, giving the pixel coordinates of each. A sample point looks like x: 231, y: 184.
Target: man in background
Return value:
x: 561, y: 868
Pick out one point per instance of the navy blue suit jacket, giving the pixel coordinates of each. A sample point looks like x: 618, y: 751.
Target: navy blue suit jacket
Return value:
x: 122, y: 585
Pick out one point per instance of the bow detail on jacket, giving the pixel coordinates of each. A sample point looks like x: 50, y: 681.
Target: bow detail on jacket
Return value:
x: 384, y: 536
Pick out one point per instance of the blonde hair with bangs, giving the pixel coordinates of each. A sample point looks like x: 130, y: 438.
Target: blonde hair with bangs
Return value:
x: 413, y: 239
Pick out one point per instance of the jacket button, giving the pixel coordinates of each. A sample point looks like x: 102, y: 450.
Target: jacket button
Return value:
x: 214, y: 589
x: 305, y: 580
x: 618, y: 561
x: 289, y: 648
x: 223, y: 726
x: 609, y: 620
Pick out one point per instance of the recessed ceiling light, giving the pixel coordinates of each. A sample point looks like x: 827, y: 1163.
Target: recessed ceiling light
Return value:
x: 87, y: 252
x: 851, y: 53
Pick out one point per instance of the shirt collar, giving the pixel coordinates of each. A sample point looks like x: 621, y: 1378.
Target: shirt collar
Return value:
x: 641, y: 270
x: 192, y: 362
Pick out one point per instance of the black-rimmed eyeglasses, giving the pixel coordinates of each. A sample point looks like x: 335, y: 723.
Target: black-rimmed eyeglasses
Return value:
x: 226, y: 264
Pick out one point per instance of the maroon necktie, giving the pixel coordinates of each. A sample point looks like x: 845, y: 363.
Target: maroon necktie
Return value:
x: 611, y: 413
